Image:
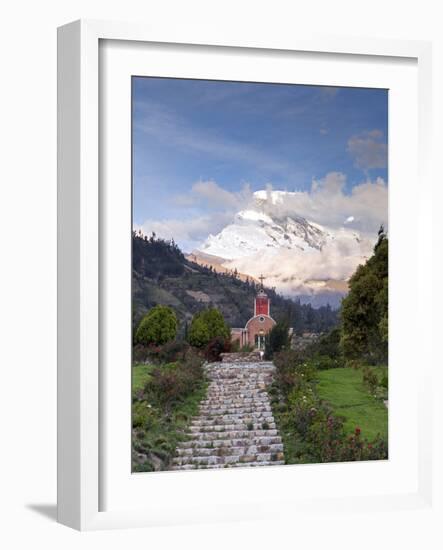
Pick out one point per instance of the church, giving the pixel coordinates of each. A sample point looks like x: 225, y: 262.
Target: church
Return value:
x: 259, y: 325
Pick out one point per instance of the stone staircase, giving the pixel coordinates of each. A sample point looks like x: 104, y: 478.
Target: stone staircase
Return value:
x: 235, y: 426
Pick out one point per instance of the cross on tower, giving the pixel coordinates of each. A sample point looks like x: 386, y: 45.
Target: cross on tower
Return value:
x: 262, y: 279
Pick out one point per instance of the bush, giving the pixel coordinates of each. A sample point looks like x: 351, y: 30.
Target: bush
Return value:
x: 216, y: 347
x: 246, y: 348
x: 206, y: 326
x: 157, y: 327
x: 277, y: 339
x: 370, y: 379
x: 170, y: 352
x: 329, y: 345
x: 140, y: 353
x: 171, y: 383
x: 142, y: 415
x: 325, y: 362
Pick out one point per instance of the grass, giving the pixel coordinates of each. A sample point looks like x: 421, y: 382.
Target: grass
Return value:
x: 141, y: 374
x: 343, y: 389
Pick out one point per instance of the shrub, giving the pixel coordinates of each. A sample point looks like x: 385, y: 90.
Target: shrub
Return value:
x: 142, y: 415
x: 329, y: 344
x: 277, y: 339
x: 216, y: 347
x: 140, y: 353
x: 171, y: 383
x: 157, y: 327
x: 207, y: 325
x: 247, y: 348
x: 170, y: 352
x: 325, y: 362
x: 370, y: 379
x: 235, y: 345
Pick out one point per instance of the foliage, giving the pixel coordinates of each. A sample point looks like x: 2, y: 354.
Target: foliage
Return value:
x: 370, y: 379
x: 328, y: 344
x: 216, y: 347
x: 277, y: 339
x: 163, y: 409
x: 364, y: 313
x: 157, y: 327
x: 326, y: 362
x: 207, y: 325
x: 246, y: 348
x: 154, y: 257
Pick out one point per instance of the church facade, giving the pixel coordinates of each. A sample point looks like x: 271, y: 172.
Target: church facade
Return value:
x: 258, y: 326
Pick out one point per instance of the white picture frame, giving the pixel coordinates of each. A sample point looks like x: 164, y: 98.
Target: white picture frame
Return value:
x: 80, y: 258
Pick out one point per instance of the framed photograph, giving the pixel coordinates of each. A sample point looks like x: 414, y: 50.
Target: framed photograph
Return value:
x: 239, y: 224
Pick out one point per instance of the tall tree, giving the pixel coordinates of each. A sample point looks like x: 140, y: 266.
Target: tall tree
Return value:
x: 364, y: 312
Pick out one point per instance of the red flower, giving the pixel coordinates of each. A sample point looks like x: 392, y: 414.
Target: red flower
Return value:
x: 357, y: 431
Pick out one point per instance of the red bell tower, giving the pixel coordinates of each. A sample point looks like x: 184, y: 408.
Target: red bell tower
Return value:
x: 262, y: 302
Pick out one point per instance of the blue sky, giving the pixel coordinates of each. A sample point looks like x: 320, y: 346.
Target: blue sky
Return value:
x: 241, y: 137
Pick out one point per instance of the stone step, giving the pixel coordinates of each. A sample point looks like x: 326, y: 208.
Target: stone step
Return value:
x: 219, y: 466
x: 208, y: 411
x: 235, y: 426
x: 210, y: 420
x: 229, y: 459
x: 233, y: 434
x: 230, y: 450
x: 238, y: 442
x: 241, y: 426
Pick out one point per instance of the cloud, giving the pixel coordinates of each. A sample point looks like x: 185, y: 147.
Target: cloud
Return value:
x: 208, y: 208
x: 215, y: 197
x: 188, y: 232
x: 327, y: 203
x: 369, y: 149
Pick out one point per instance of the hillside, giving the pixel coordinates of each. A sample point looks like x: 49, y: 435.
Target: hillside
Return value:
x: 163, y: 275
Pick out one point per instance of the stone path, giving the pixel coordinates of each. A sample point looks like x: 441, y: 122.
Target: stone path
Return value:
x: 235, y: 426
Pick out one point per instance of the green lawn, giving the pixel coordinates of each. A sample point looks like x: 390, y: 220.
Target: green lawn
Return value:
x: 140, y: 375
x: 343, y: 389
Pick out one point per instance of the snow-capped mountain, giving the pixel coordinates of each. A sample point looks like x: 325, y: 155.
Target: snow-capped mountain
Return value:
x: 297, y: 256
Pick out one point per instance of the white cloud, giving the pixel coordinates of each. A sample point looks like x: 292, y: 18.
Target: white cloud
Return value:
x: 215, y: 196
x: 188, y: 233
x: 208, y: 208
x: 368, y: 149
x: 326, y: 203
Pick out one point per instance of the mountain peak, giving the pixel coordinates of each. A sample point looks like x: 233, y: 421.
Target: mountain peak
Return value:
x: 299, y: 257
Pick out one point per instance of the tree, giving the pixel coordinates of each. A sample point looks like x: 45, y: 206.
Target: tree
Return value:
x: 364, y: 312
x: 207, y: 325
x: 277, y: 339
x: 157, y: 327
